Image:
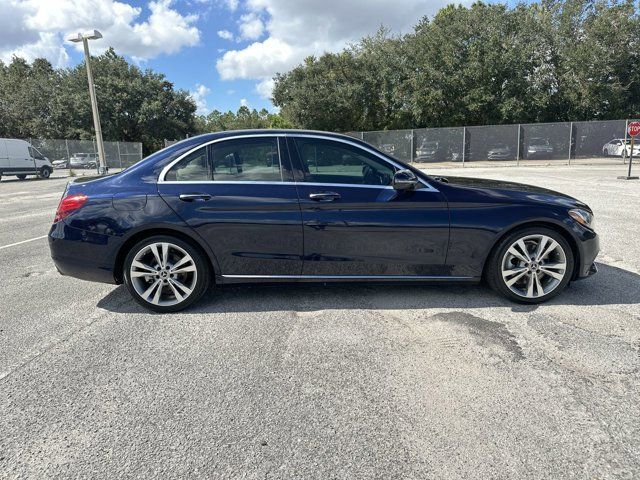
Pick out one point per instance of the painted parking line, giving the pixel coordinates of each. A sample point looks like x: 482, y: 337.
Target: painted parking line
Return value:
x: 2, y: 247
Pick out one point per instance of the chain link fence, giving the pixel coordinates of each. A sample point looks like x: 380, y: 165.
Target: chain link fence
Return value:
x: 83, y: 154
x: 529, y: 144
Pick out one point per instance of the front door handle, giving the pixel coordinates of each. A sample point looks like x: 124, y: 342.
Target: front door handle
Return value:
x: 324, y: 196
x: 191, y: 197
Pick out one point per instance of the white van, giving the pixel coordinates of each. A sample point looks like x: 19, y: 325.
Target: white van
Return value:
x: 20, y: 158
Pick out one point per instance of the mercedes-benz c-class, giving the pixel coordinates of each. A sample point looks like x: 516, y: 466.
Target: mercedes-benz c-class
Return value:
x: 267, y: 206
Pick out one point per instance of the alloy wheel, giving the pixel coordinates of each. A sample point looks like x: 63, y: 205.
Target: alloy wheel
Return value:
x: 163, y: 274
x: 533, y: 266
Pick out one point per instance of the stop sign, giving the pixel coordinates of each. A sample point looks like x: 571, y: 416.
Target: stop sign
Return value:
x: 633, y: 129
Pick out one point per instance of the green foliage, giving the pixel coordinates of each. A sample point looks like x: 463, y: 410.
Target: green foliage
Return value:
x: 39, y: 101
x: 484, y: 64
x: 244, y: 118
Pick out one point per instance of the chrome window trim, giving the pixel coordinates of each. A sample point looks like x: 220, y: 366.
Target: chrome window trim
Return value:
x: 161, y: 177
x: 257, y: 182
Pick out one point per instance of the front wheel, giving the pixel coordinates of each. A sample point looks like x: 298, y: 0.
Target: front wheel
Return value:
x: 45, y: 173
x: 531, y: 265
x: 166, y: 274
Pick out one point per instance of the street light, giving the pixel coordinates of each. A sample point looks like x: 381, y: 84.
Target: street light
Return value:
x: 84, y: 38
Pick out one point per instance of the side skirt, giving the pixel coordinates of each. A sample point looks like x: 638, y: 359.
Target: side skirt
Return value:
x: 380, y: 279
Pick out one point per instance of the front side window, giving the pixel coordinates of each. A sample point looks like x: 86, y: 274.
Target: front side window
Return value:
x: 326, y: 161
x: 35, y: 153
x: 192, y: 168
x: 246, y: 160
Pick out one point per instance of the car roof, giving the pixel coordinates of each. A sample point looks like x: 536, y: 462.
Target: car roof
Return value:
x: 265, y: 131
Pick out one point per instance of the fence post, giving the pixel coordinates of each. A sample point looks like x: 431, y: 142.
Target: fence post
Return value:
x: 570, y: 140
x: 362, y: 136
x: 119, y: 156
x: 464, y: 143
x: 413, y: 150
x: 518, y: 147
x: 66, y: 144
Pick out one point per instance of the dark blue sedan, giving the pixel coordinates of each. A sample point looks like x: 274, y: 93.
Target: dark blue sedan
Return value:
x: 300, y: 206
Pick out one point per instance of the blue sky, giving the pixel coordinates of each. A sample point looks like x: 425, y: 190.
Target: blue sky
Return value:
x: 223, y: 51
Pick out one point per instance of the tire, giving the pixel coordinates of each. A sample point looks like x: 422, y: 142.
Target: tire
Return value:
x: 194, y: 274
x: 525, y: 288
x: 21, y: 176
x: 606, y: 152
x: 45, y: 172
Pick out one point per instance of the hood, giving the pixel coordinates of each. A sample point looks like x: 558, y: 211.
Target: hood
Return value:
x: 515, y: 191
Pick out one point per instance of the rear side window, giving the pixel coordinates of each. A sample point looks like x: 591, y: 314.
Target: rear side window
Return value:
x: 246, y: 160
x: 192, y: 168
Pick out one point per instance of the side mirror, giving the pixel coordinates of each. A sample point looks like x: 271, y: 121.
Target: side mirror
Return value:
x: 404, y: 180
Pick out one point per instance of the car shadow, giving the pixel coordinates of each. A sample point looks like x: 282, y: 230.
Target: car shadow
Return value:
x: 612, y: 285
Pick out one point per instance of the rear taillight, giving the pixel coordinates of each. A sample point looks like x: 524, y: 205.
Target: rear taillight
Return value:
x: 68, y: 205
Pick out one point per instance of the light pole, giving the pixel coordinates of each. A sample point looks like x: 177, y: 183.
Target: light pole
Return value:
x: 84, y: 38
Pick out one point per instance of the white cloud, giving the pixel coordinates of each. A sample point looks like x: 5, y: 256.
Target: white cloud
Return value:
x: 199, y: 96
x: 41, y: 26
x: 231, y: 4
x: 265, y: 87
x: 259, y: 59
x: 48, y: 45
x: 312, y: 28
x: 244, y: 102
x: 251, y: 27
x: 225, y: 34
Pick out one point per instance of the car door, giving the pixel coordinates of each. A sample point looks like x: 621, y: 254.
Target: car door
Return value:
x: 238, y: 195
x: 355, y: 223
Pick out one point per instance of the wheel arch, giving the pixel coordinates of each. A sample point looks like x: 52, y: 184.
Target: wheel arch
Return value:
x: 559, y: 228
x: 136, y: 237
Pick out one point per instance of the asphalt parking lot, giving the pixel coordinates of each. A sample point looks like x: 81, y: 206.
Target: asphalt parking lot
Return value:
x: 334, y: 382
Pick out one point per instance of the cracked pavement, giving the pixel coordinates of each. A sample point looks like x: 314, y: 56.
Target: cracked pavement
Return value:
x: 323, y: 382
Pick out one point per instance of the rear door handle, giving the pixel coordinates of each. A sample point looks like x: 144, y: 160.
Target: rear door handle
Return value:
x: 324, y: 196
x: 191, y: 197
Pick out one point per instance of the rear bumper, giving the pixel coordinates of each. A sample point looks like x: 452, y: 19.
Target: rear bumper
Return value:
x: 82, y: 254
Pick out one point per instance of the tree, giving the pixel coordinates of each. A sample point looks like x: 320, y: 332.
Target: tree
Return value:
x: 484, y: 64
x: 244, y: 118
x: 135, y: 105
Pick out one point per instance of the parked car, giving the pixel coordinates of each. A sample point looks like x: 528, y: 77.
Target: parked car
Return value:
x: 61, y: 163
x: 428, y: 151
x: 20, y: 158
x: 500, y: 151
x: 168, y: 237
x: 389, y: 148
x: 620, y: 147
x: 539, y: 148
x: 84, y: 160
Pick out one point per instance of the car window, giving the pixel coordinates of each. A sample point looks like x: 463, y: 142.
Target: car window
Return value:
x: 35, y: 154
x: 325, y: 161
x: 246, y: 160
x: 192, y: 168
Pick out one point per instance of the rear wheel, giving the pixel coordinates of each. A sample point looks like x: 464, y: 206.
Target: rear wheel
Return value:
x: 166, y: 274
x: 531, y: 265
x: 21, y: 176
